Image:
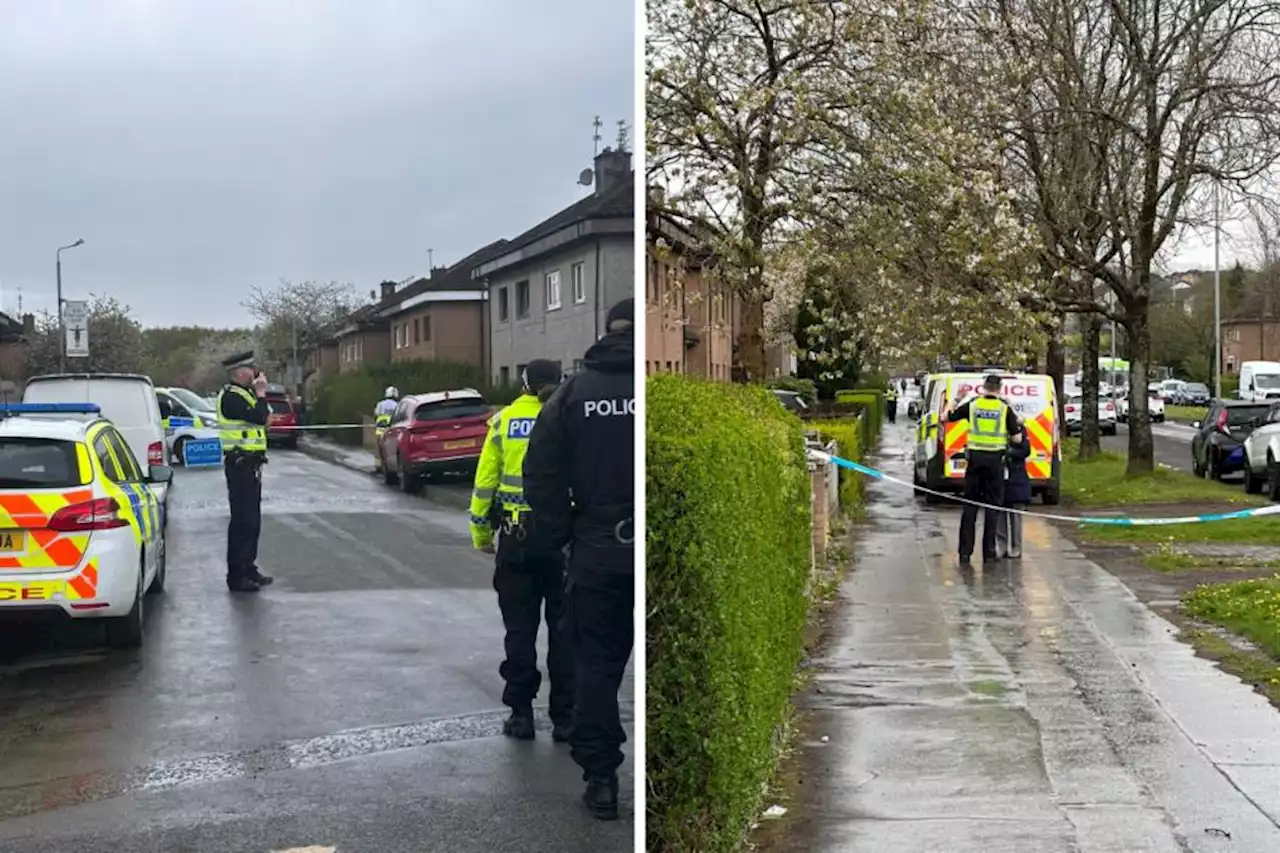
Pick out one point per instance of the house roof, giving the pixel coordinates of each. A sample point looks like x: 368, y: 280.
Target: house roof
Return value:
x: 455, y: 277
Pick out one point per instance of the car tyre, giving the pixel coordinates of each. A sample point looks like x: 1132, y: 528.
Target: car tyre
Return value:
x: 388, y: 476
x: 125, y: 632
x: 292, y: 442
x: 1052, y: 495
x: 180, y: 443
x: 1214, y: 468
x: 162, y: 570
x: 409, y: 484
x: 1273, y: 479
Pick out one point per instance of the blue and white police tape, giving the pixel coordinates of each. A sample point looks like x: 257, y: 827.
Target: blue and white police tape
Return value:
x: 1115, y: 521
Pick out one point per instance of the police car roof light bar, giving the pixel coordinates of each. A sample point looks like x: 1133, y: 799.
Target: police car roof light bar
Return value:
x: 51, y: 408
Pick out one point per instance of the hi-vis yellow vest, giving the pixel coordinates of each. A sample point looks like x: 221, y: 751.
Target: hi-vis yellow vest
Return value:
x: 987, y: 432
x: 240, y: 435
x: 500, y: 472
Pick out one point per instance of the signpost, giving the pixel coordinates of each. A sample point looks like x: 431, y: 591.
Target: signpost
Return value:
x: 202, y: 453
x: 76, y: 319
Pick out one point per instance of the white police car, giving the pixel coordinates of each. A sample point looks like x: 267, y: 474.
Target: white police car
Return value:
x: 81, y: 529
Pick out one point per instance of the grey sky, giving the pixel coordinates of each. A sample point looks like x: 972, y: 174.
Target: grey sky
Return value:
x: 200, y: 148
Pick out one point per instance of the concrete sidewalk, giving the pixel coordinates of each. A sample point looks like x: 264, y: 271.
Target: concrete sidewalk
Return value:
x: 1025, y: 705
x: 456, y: 495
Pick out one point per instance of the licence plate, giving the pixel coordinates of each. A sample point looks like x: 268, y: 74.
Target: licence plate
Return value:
x: 458, y: 445
x: 958, y: 464
x: 12, y: 541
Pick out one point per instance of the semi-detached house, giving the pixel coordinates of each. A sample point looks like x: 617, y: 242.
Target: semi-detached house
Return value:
x: 550, y: 289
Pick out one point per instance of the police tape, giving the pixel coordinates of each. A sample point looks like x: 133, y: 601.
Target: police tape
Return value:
x: 1115, y: 521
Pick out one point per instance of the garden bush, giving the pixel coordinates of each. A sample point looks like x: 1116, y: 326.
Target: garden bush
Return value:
x: 847, y: 434
x: 728, y: 533
x: 806, y: 388
x: 344, y: 397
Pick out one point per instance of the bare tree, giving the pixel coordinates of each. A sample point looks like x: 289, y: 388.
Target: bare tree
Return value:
x: 115, y: 341
x: 310, y: 309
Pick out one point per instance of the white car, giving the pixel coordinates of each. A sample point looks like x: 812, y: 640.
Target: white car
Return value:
x: 1262, y: 455
x: 1155, y: 408
x: 189, y: 418
x: 1074, y: 411
x: 82, y: 529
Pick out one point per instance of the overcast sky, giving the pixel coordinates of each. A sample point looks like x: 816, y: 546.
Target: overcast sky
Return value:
x: 200, y: 148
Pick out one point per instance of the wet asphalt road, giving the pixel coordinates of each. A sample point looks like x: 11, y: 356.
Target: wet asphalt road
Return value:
x: 1023, y: 706
x: 1172, y: 444
x: 355, y: 704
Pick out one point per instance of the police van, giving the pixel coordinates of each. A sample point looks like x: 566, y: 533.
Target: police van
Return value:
x: 940, y: 448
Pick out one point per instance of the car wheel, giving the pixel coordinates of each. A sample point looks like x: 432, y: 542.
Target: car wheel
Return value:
x: 292, y: 442
x: 1052, y: 495
x: 409, y: 484
x: 1214, y: 468
x: 388, y: 476
x: 157, y: 582
x: 1273, y: 479
x: 177, y: 449
x: 125, y: 632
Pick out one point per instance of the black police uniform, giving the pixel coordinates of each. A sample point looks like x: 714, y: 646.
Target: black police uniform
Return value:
x: 983, y: 482
x: 891, y: 404
x: 243, y: 470
x: 583, y: 446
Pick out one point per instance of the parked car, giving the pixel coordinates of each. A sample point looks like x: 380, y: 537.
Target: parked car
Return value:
x: 283, y: 415
x: 431, y: 434
x: 1217, y: 448
x: 128, y: 400
x: 1195, y: 394
x: 1262, y: 454
x: 1155, y: 408
x: 791, y: 401
x: 187, y: 417
x: 1107, y: 415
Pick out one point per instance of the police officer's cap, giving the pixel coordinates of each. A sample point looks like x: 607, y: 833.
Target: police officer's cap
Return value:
x: 622, y: 312
x: 541, y: 372
x: 241, y: 359
x: 992, y: 382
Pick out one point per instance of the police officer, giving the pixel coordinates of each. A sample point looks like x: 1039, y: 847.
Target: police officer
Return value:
x: 528, y: 571
x: 579, y: 477
x: 891, y: 402
x: 992, y: 426
x: 242, y: 429
x: 382, y: 419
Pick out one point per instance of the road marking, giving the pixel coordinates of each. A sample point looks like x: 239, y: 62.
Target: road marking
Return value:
x: 315, y: 848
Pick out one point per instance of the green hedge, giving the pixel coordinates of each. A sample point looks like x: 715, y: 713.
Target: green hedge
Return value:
x: 847, y: 434
x: 343, y: 398
x: 806, y: 388
x: 728, y: 533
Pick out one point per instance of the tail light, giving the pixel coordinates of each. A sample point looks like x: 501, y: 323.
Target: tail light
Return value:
x: 1071, y: 410
x: 155, y: 453
x: 1110, y: 408
x: 98, y: 514
x: 1222, y: 422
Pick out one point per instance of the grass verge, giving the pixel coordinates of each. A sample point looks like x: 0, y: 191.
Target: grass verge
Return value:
x: 1185, y: 414
x: 1253, y: 667
x: 1248, y: 608
x: 1169, y: 561
x: 1102, y: 481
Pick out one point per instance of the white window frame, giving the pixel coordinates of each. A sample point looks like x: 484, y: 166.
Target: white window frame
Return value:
x: 551, y: 285
x: 577, y: 275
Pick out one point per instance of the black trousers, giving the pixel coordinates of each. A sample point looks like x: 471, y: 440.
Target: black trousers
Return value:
x: 984, y: 482
x: 891, y: 409
x: 601, y: 612
x: 528, y: 584
x: 244, y: 493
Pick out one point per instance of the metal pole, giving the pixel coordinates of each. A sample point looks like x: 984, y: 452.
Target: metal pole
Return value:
x: 1217, y: 298
x: 62, y: 332
x: 294, y: 371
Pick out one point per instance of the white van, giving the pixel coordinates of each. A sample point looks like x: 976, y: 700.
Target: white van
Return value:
x: 127, y: 400
x: 1259, y: 381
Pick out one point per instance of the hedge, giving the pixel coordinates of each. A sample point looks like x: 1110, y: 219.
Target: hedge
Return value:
x: 345, y: 397
x: 728, y: 533
x: 806, y: 388
x: 847, y: 433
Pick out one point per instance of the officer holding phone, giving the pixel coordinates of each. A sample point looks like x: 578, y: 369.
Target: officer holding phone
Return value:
x: 242, y: 430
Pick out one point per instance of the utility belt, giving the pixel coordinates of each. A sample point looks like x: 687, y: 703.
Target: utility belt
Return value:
x: 618, y: 517
x: 245, y: 458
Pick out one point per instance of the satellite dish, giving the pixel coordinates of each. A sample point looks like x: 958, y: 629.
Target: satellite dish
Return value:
x: 587, y: 177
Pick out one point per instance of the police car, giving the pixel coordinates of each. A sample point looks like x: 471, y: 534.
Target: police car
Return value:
x: 81, y: 530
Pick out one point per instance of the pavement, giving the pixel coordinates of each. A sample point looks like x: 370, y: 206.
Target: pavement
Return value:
x: 1025, y: 705
x: 355, y: 704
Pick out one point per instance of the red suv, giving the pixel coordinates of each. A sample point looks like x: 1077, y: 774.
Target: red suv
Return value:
x: 437, y: 433
x: 283, y: 415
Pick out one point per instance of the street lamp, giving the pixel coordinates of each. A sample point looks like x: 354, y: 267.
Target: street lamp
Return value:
x: 1217, y: 297
x: 62, y: 332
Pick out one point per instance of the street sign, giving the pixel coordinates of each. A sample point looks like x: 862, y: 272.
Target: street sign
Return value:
x: 75, y: 318
x: 202, y: 453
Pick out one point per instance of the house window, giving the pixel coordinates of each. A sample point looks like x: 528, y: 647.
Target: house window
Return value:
x: 426, y: 328
x: 651, y: 285
x: 503, y: 307
x: 553, y: 290
x: 579, y: 284
x: 520, y: 372
x: 417, y: 338
x: 504, y: 373
x: 522, y: 299
x: 359, y: 348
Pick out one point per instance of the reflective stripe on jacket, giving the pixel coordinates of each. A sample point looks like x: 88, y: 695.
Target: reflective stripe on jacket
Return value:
x: 987, y: 432
x: 500, y: 471
x: 240, y: 435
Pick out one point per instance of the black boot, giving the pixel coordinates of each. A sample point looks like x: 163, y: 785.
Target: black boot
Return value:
x: 519, y: 725
x: 561, y: 732
x: 256, y: 575
x: 242, y: 585
x: 601, y: 796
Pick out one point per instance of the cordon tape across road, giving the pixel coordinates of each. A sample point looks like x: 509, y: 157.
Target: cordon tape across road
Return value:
x: 1115, y: 521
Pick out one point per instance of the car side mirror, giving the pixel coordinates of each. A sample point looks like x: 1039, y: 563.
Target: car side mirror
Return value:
x: 1195, y: 425
x: 160, y: 474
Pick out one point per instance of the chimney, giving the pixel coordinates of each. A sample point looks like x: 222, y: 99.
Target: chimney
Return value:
x: 388, y: 290
x: 612, y: 168
x: 28, y: 324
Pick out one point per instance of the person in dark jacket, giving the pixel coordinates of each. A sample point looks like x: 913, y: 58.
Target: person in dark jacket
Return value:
x: 1017, y: 496
x: 579, y: 480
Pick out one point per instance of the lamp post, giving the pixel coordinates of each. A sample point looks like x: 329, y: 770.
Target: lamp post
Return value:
x: 1217, y: 298
x: 62, y: 332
